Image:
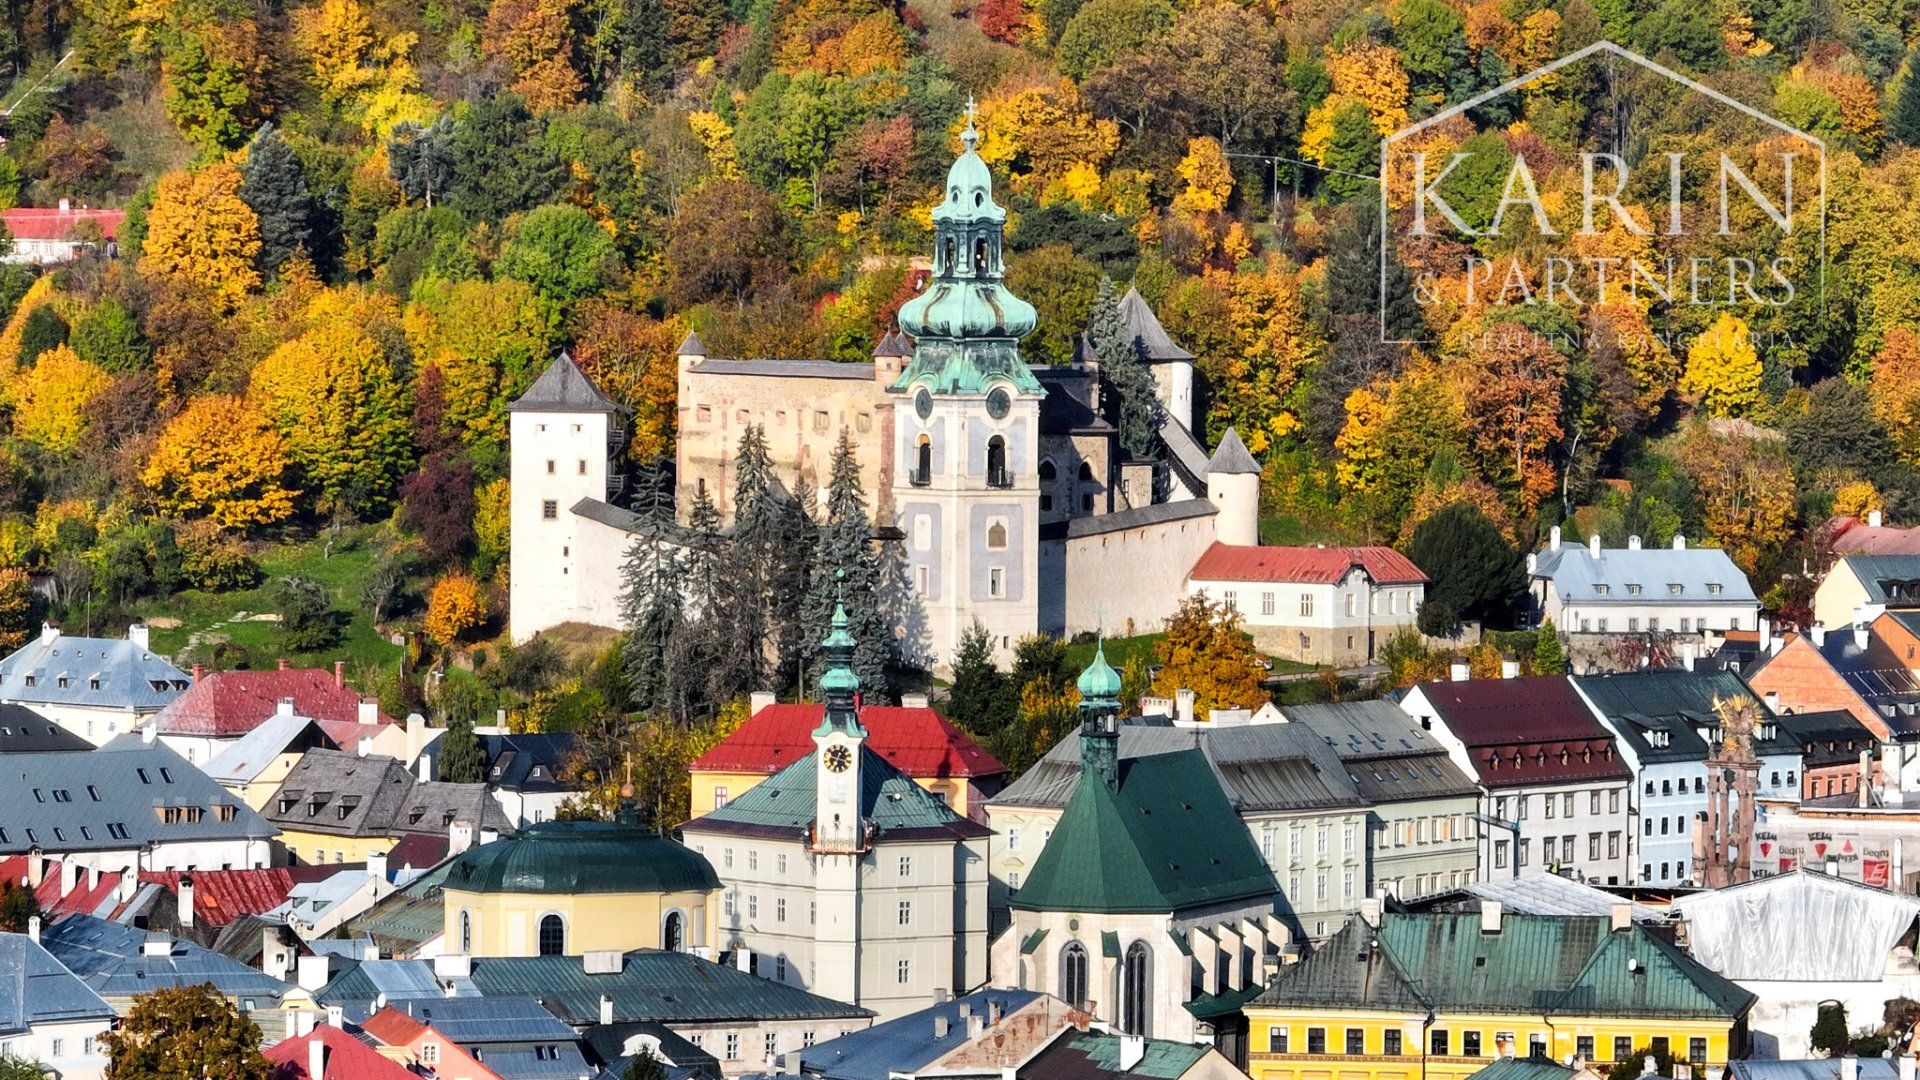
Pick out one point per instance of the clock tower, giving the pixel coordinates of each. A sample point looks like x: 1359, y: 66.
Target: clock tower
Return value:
x: 841, y: 837
x: 967, y: 430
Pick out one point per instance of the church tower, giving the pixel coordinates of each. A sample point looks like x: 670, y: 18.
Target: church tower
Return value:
x: 968, y: 436
x: 840, y: 836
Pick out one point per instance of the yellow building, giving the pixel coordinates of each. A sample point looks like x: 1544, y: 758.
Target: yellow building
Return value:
x: 570, y: 887
x: 1441, y: 996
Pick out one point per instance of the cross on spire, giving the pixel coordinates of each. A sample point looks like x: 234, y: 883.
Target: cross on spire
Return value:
x: 970, y: 137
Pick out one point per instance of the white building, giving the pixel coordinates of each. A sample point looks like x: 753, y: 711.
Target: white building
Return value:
x: 1555, y: 792
x: 1665, y: 722
x: 48, y: 1015
x: 97, y: 688
x: 1859, y: 588
x: 1587, y: 589
x: 842, y: 876
x: 1317, y: 605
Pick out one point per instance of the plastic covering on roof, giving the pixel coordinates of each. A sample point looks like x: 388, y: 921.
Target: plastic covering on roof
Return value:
x: 1798, y: 927
x: 1551, y: 894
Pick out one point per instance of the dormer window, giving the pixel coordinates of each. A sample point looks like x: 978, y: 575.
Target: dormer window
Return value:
x: 1601, y: 588
x: 1633, y: 590
x: 1675, y: 588
x: 1713, y: 588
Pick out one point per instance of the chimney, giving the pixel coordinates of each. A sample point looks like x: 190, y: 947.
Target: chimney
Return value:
x: 1489, y: 916
x: 913, y: 701
x: 137, y: 633
x: 184, y: 902
x: 337, y: 1015
x: 976, y: 1026
x: 459, y: 837
x: 316, y: 1057
x: 1818, y: 632
x: 283, y: 707
x: 363, y: 746
x: 33, y: 928
x: 1687, y: 655
x: 1370, y: 911
x: 340, y: 674
x: 758, y: 700
x: 1183, y: 702
x: 1648, y: 1066
x: 1132, y: 1049
x: 1553, y: 538
x: 1861, y: 638
x: 416, y: 735
x: 370, y: 950
x: 1849, y: 1068
x: 150, y: 731
x: 488, y: 836
x: 1866, y: 778
x: 283, y: 665
x: 1458, y: 670
x: 1873, y: 522
x: 423, y: 768
x: 1593, y: 545
x: 69, y: 877
x: 311, y: 972
x: 606, y: 1010
x: 940, y: 1027
x: 369, y: 711
x: 743, y: 959
x: 65, y: 206
x: 1502, y: 1045
x: 129, y: 881
x: 1905, y: 1060
x: 1679, y: 542
x: 48, y: 633
x: 1773, y: 702
x: 1633, y: 543
x: 36, y: 868
x: 199, y: 670
x: 156, y: 944
x: 1766, y: 635
x: 1622, y: 916
x: 1509, y: 667
x: 274, y: 955
x: 377, y: 864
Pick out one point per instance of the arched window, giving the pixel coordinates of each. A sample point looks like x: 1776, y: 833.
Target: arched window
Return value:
x: 997, y: 463
x: 466, y: 932
x: 996, y: 537
x: 947, y: 264
x: 923, y: 462
x: 1086, y: 472
x: 1047, y: 472
x: 673, y: 932
x: 979, y: 252
x: 1073, y: 974
x: 553, y: 935
x: 1136, y: 990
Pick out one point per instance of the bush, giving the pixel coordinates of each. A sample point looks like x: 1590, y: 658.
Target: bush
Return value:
x: 1632, y: 1068
x: 212, y: 560
x: 307, y: 619
x: 454, y: 608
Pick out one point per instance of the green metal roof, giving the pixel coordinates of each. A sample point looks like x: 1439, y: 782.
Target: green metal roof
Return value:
x: 406, y: 918
x: 576, y: 857
x: 1225, y: 1003
x: 784, y: 803
x: 1162, y: 1057
x: 1033, y: 941
x: 1100, y: 683
x: 1534, y: 964
x: 1164, y: 840
x: 1524, y: 1068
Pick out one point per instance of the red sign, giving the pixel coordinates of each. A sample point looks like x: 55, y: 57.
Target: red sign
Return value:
x: 1875, y: 872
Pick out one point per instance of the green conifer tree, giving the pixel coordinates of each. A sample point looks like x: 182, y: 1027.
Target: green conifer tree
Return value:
x: 1133, y: 406
x: 461, y: 759
x: 275, y: 186
x: 1549, y: 658
x: 1904, y: 122
x: 846, y: 572
x: 982, y: 699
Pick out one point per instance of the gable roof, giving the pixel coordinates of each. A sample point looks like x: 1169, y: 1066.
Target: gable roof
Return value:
x: 1231, y: 456
x: 113, y: 960
x: 408, y: 917
x: 106, y: 799
x: 1881, y: 683
x: 783, y: 805
x: 908, y: 1043
x: 1527, y: 725
x: 23, y: 731
x: 229, y: 703
x: 1305, y: 565
x: 1090, y: 1055
x: 1853, y: 537
x: 345, y: 1056
x: 1575, y: 575
x: 917, y: 741
x: 1886, y: 579
x: 37, y: 989
x: 130, y: 675
x: 1814, y: 731
x: 1533, y: 964
x: 1164, y: 839
x: 563, y: 387
x: 241, y: 761
x: 344, y: 794
x: 1678, y: 703
x: 221, y: 896
x: 1388, y: 757
x: 57, y: 223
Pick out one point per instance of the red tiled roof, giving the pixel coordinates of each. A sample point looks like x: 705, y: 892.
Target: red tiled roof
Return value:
x: 418, y: 850
x: 917, y: 741
x: 221, y: 896
x: 346, y: 1056
x: 345, y: 734
x: 1852, y: 537
x: 236, y: 702
x: 85, y: 899
x: 1305, y: 565
x: 393, y: 1027
x: 53, y: 223
x: 1536, y: 728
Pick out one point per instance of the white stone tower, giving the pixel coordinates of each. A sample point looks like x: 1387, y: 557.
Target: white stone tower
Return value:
x: 968, y: 431
x: 840, y: 836
x: 1233, y: 487
x: 563, y: 434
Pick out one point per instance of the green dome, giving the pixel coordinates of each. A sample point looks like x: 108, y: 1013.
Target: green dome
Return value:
x: 576, y: 857
x: 1099, y: 682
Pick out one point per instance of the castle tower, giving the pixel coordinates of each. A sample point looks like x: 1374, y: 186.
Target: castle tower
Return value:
x: 840, y: 839
x: 1233, y: 487
x: 967, y: 435
x: 563, y: 433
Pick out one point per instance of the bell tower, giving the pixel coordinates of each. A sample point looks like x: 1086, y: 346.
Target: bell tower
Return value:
x: 968, y: 430
x: 840, y: 838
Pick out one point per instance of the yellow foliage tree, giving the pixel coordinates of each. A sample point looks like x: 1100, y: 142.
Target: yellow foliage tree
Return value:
x: 1362, y: 443
x: 1041, y: 132
x: 50, y: 399
x: 490, y: 528
x: 1370, y: 73
x: 1205, y: 650
x: 1745, y: 487
x: 335, y: 34
x: 535, y: 39
x: 455, y: 607
x: 1856, y: 499
x: 221, y: 460
x: 1723, y: 370
x: 1894, y: 391
x: 37, y: 296
x: 201, y: 230
x: 1208, y: 177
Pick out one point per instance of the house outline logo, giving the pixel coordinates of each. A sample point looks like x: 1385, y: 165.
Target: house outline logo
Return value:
x: 1599, y: 48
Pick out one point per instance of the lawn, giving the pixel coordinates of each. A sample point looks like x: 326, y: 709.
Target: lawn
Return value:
x: 199, y: 619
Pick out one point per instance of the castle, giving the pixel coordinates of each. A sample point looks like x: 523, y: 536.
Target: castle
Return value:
x: 1015, y: 503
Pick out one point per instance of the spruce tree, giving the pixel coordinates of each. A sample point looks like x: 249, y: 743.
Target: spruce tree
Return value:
x: 1133, y: 406
x: 461, y: 759
x: 982, y: 699
x: 420, y: 159
x: 275, y: 186
x: 652, y: 605
x: 1904, y: 123
x: 1549, y: 658
x: 768, y: 564
x: 846, y: 572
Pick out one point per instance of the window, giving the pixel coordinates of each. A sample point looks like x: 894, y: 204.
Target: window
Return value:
x: 1073, y: 973
x: 1593, y: 803
x: 466, y: 932
x: 1593, y: 845
x: 1613, y: 801
x: 1136, y: 990
x: 673, y: 931
x: 753, y: 860
x: 905, y: 915
x: 772, y: 1041
x: 1013, y: 839
x: 1306, y: 604
x: 583, y: 467
x: 1437, y: 1043
x: 1567, y: 802
x: 1356, y: 1041
x: 780, y: 909
x: 996, y: 537
x: 996, y: 582
x: 1583, y: 1046
x: 1499, y: 853
x: 1316, y: 1040
x: 733, y: 1046
x: 1697, y: 1051
x: 1622, y: 1047
x: 1390, y: 1042
x: 1547, y: 848
x: 1470, y: 1043
x: 719, y: 797
x: 1276, y: 1040
x: 1613, y: 845
x: 906, y: 866
x: 753, y: 905
x: 922, y: 474
x: 553, y: 936
x: 549, y: 509
x: 997, y: 475
x: 903, y: 972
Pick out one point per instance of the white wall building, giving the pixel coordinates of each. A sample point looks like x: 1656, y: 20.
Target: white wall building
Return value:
x: 1587, y: 589
x: 1317, y: 605
x: 97, y: 688
x: 49, y: 1016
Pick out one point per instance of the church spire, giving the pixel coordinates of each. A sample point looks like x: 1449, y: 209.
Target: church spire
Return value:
x: 838, y: 684
x: 1100, y: 718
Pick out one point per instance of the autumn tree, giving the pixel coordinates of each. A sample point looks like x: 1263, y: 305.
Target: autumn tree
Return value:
x: 184, y: 1033
x: 487, y: 341
x: 1745, y: 487
x: 1103, y: 31
x: 630, y: 357
x: 455, y: 607
x: 1514, y: 386
x: 1723, y: 370
x: 17, y: 605
x: 1205, y: 650
x: 436, y: 502
x: 50, y: 399
x: 202, y: 230
x: 336, y: 35
x: 536, y: 41
x: 220, y: 459
x: 729, y: 241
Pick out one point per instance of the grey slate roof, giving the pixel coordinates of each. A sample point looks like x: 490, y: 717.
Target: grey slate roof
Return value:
x: 37, y: 989
x: 1068, y: 407
x: 1535, y: 894
x: 248, y: 756
x: 905, y: 1043
x: 1121, y: 520
x: 1184, y: 452
x: 128, y: 675
x: 563, y: 387
x: 1575, y: 573
x: 504, y: 1019
x: 1835, y: 737
x: 1637, y: 704
x: 691, y: 345
x: 1388, y: 757
x: 23, y: 731
x: 106, y: 800
x: 1887, y: 579
x: 1879, y: 679
x: 1260, y: 767
x: 1154, y: 341
x: 111, y: 959
x: 788, y: 369
x: 1231, y: 457
x: 343, y: 794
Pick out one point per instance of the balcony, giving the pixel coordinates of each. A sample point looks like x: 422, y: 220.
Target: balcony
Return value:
x: 920, y: 477
x: 999, y: 478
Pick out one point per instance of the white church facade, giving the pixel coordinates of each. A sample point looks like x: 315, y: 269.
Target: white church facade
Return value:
x: 1014, y: 501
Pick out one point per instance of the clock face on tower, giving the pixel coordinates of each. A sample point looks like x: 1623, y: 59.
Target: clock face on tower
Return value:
x: 923, y: 403
x: 998, y: 403
x: 839, y: 759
